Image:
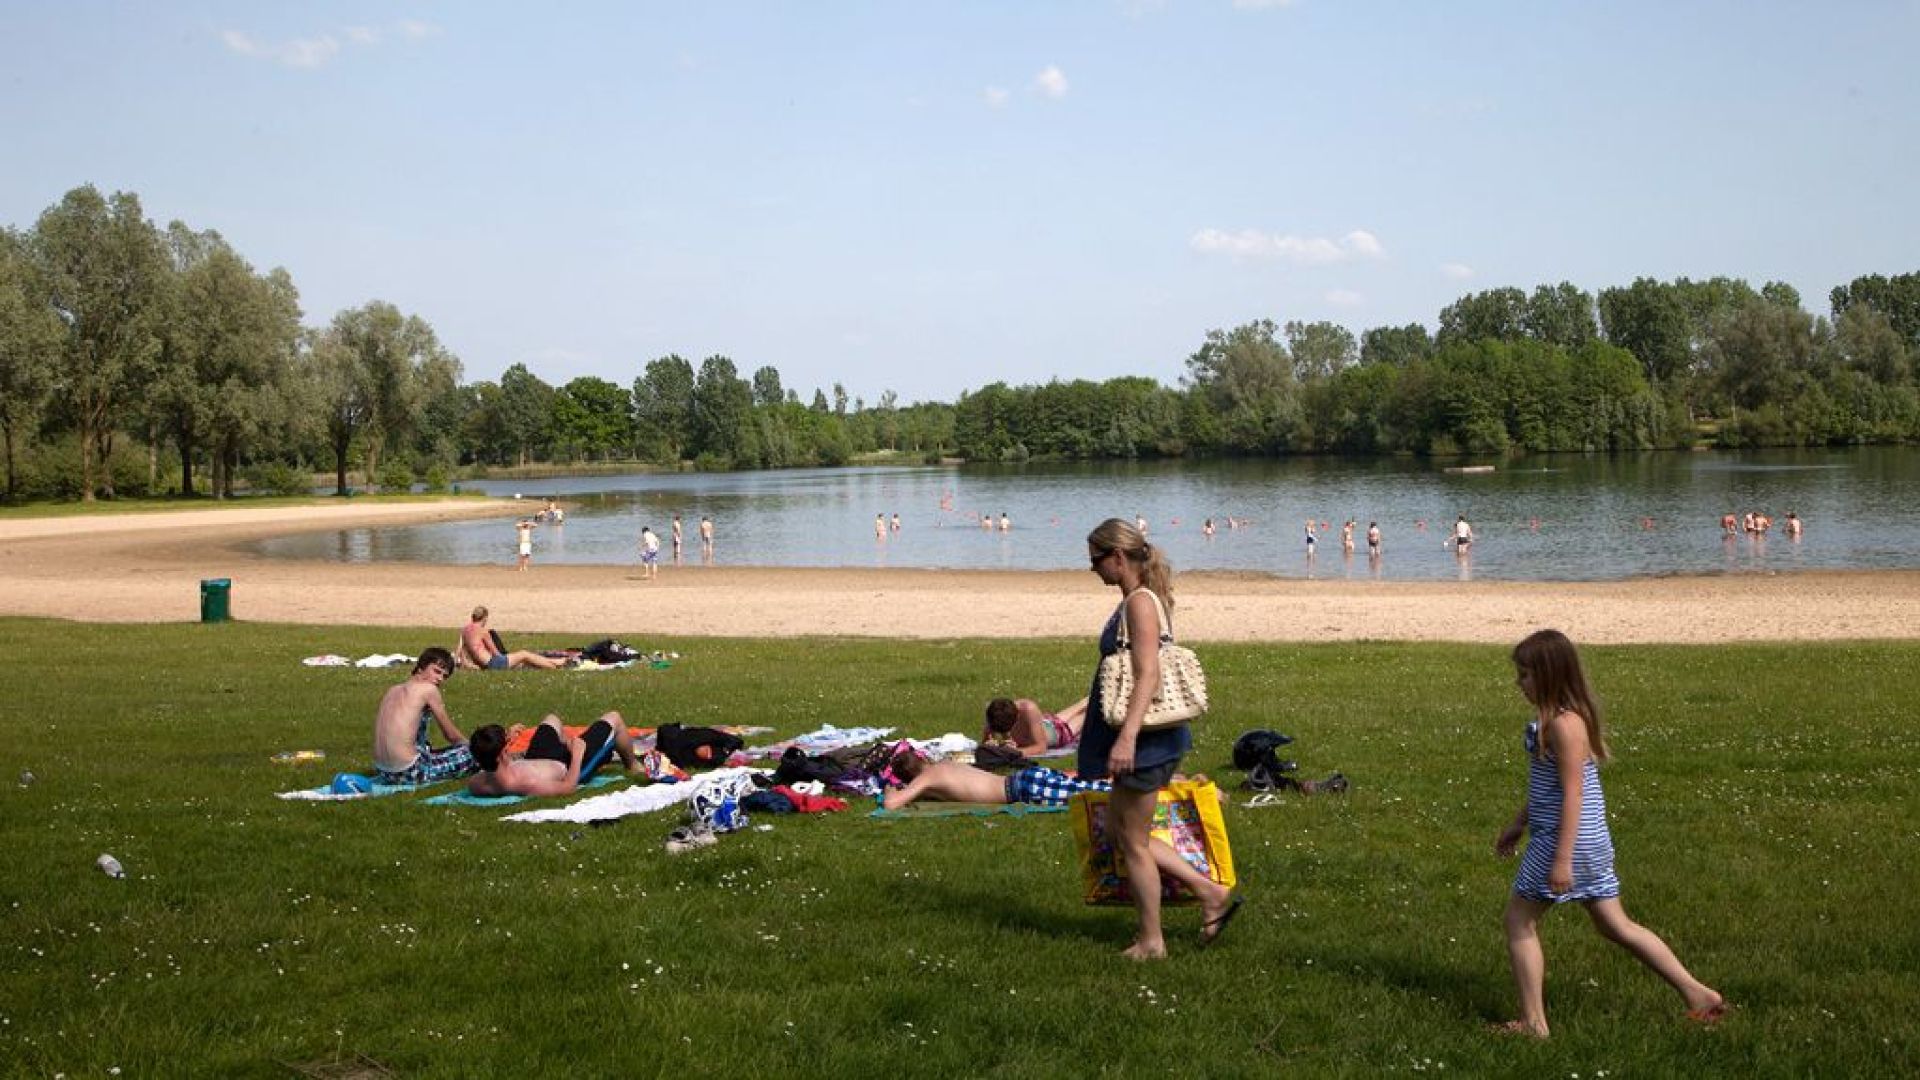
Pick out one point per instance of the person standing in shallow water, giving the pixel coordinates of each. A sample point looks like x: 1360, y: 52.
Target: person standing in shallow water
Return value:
x: 1141, y: 762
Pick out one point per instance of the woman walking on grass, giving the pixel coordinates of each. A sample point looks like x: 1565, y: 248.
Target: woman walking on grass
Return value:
x: 1569, y: 853
x: 1141, y: 762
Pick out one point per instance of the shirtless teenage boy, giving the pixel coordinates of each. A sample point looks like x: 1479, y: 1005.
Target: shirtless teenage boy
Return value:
x: 948, y: 781
x: 402, y: 753
x: 553, y: 764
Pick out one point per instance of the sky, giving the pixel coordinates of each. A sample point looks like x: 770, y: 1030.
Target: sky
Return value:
x: 930, y: 197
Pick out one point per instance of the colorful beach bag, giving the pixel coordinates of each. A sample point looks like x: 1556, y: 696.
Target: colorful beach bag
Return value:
x: 1187, y: 817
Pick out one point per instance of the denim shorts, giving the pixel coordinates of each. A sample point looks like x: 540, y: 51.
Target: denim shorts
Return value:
x: 1151, y: 778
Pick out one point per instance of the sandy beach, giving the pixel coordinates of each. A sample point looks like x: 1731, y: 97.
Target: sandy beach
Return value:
x: 147, y: 567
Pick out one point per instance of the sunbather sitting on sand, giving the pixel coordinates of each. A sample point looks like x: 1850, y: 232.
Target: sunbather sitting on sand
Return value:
x: 553, y: 763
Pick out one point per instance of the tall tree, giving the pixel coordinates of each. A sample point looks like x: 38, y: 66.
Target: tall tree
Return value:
x: 333, y: 373
x: 1493, y: 315
x: 1560, y: 315
x: 30, y: 338
x: 1320, y: 350
x: 1395, y: 345
x: 1648, y: 320
x: 400, y: 362
x: 663, y: 405
x: 722, y: 405
x: 592, y: 416
x: 766, y: 388
x: 105, y: 267
x: 526, y: 409
x: 231, y: 339
x: 1897, y: 297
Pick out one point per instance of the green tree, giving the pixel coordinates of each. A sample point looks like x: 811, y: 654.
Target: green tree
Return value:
x: 1757, y: 353
x: 1561, y: 315
x: 592, y: 416
x: 526, y: 411
x: 400, y: 364
x: 1396, y: 345
x: 1865, y: 340
x: 1493, y: 315
x: 663, y: 406
x: 1320, y: 350
x: 30, y: 339
x: 1648, y: 320
x: 766, y: 388
x: 105, y: 269
x: 722, y: 411
x: 1897, y: 298
x: 333, y: 373
x: 1246, y: 376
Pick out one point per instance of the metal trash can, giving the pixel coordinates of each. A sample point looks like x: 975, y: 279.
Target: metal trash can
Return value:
x: 214, y: 597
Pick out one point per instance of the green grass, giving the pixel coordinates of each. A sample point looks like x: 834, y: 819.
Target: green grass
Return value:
x: 1762, y: 799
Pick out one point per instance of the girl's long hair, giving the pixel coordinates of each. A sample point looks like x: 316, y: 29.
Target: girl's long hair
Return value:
x: 1156, y: 572
x: 1560, y: 683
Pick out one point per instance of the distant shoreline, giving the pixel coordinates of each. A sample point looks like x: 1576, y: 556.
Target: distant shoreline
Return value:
x: 147, y: 568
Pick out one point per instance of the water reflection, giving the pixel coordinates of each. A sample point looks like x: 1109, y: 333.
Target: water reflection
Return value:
x: 1572, y: 519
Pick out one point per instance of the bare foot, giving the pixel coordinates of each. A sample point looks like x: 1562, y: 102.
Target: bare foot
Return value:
x: 1216, y: 913
x: 1518, y: 1027
x: 1142, y: 951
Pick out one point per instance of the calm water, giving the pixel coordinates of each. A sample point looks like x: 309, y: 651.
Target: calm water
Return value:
x: 1553, y: 518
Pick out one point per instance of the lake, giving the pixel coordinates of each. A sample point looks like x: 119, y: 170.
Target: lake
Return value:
x: 1560, y: 517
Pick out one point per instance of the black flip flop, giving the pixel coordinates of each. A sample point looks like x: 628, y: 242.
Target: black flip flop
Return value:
x: 1219, y: 925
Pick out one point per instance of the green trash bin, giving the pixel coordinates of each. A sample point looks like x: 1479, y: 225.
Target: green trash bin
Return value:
x: 214, y: 595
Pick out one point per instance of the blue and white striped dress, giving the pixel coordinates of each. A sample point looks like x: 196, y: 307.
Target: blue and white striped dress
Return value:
x: 1593, y: 877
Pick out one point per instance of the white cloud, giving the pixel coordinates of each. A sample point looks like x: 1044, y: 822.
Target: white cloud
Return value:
x: 297, y: 53
x: 997, y: 97
x: 1456, y: 271
x: 1343, y: 298
x: 1261, y: 5
x: 1299, y: 250
x: 309, y: 53
x: 1052, y: 82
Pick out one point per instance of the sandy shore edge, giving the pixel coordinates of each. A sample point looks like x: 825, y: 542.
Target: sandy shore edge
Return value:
x: 147, y: 567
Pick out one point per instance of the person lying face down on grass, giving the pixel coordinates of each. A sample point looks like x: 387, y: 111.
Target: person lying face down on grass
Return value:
x: 1032, y: 730
x: 477, y: 649
x: 553, y: 763
x: 948, y: 781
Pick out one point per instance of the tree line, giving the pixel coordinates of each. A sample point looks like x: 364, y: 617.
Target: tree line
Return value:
x: 140, y: 360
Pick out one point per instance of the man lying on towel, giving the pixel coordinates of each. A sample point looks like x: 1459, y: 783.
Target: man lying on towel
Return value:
x: 948, y: 781
x: 553, y: 763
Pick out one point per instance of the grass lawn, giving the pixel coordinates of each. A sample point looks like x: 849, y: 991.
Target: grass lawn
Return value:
x: 1763, y: 803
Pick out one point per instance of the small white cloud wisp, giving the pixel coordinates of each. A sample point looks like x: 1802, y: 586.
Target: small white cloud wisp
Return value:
x: 1051, y: 82
x: 311, y: 53
x: 1286, y: 247
x: 1456, y: 271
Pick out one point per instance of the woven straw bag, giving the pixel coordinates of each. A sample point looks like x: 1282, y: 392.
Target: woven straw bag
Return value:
x: 1183, y: 685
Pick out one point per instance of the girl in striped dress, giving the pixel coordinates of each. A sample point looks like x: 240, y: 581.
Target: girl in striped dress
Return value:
x: 1569, y: 854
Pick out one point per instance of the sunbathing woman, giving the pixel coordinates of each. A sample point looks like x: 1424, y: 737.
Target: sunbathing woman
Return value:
x: 1032, y: 730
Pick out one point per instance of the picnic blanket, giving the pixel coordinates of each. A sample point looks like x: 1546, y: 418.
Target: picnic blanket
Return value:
x: 636, y: 800
x: 468, y: 798
x: 826, y: 738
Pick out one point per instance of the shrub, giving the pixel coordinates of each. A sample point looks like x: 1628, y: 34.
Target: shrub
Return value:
x: 278, y: 478
x: 439, y: 478
x: 396, y: 476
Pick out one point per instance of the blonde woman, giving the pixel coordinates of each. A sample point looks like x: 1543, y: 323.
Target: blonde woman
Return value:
x: 1141, y: 762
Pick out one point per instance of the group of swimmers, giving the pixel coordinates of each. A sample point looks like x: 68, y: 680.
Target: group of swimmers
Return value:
x: 1757, y: 524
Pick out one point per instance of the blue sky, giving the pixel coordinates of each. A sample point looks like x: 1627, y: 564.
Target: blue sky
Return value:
x: 930, y: 197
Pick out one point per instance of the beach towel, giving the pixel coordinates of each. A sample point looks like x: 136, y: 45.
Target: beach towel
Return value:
x: 634, y: 800
x: 963, y: 809
x: 823, y: 740
x: 325, y: 792
x: 468, y: 798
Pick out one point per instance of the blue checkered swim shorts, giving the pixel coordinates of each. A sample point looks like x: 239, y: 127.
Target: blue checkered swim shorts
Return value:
x: 1048, y: 787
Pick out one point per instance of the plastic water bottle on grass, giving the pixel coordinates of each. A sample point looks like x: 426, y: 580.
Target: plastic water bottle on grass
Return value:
x: 110, y: 866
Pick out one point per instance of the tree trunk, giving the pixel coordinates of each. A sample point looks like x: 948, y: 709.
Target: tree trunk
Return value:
x: 86, y: 460
x: 106, y: 463
x: 12, y: 486
x: 340, y: 447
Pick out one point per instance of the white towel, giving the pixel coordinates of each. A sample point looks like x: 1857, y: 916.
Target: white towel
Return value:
x: 633, y: 800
